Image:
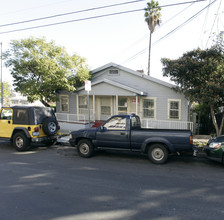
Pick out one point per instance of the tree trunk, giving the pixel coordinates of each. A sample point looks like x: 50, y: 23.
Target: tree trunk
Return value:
x: 44, y: 103
x: 217, y: 128
x: 222, y: 123
x: 150, y: 40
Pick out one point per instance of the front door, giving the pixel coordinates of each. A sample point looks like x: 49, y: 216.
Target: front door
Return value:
x: 105, y: 107
x: 115, y: 134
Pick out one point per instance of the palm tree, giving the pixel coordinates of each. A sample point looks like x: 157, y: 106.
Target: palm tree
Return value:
x: 152, y: 18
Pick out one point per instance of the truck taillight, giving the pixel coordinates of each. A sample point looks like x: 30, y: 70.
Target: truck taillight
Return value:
x: 191, y: 139
x: 36, y: 129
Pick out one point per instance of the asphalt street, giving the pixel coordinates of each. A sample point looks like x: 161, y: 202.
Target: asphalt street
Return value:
x: 56, y: 184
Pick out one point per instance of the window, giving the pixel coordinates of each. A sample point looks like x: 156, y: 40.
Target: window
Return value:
x: 21, y: 116
x: 174, y: 109
x: 105, y: 106
x: 6, y: 114
x: 116, y: 123
x: 149, y: 108
x: 83, y: 104
x: 113, y: 72
x: 122, y: 105
x: 64, y: 103
x: 135, y: 122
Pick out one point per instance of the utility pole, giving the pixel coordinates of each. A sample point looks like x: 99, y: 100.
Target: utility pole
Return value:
x: 1, y: 79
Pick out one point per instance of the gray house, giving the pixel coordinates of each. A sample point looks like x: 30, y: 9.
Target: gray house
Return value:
x: 116, y: 89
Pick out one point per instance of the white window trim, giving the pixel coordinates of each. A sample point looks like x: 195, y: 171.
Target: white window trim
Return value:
x: 61, y: 102
x: 155, y: 107
x: 174, y: 100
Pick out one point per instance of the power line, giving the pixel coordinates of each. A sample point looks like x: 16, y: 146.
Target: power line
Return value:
x: 87, y: 18
x: 204, y: 25
x: 214, y: 22
x: 41, y: 6
x: 171, y: 32
x: 71, y: 21
x: 69, y: 13
x: 143, y: 51
x: 163, y: 23
x: 187, y: 21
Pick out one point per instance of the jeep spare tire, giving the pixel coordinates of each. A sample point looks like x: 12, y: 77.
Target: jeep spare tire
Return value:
x: 50, y: 126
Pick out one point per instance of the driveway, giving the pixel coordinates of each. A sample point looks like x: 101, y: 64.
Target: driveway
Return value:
x: 55, y: 183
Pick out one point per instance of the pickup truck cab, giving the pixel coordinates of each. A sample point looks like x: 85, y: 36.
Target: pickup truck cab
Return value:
x: 124, y: 132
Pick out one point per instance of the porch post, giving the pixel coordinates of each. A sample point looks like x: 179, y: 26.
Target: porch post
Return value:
x: 94, y: 116
x: 77, y: 106
x: 136, y: 102
x: 116, y: 104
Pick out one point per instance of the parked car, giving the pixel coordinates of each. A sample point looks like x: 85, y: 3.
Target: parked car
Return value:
x: 25, y: 124
x: 124, y: 133
x: 215, y: 149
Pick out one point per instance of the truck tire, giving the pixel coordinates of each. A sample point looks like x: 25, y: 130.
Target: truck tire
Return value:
x: 85, y: 148
x: 20, y: 141
x: 158, y: 154
x: 50, y: 126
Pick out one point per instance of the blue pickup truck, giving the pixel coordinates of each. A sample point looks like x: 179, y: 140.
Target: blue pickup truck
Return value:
x: 124, y: 132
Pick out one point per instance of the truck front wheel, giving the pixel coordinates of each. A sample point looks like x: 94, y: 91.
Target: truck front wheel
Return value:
x: 158, y: 154
x: 20, y: 141
x: 85, y: 148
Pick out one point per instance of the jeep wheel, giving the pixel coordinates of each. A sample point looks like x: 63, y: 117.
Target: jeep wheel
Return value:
x: 85, y: 148
x: 158, y: 154
x: 20, y: 141
x: 50, y: 126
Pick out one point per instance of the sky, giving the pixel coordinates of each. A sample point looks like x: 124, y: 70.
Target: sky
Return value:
x: 122, y: 38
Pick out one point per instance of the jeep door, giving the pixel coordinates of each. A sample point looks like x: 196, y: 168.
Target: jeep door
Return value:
x: 6, y: 126
x: 113, y: 134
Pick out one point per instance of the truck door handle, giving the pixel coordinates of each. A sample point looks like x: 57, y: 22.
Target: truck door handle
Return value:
x: 122, y: 133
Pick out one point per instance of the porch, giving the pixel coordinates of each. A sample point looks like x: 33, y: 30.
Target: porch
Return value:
x: 70, y: 122
x: 102, y: 107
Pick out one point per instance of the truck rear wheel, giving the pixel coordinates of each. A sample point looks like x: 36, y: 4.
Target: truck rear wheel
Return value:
x: 158, y: 154
x: 20, y: 141
x: 85, y: 148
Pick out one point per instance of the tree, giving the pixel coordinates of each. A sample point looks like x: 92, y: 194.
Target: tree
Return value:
x: 199, y: 74
x: 204, y: 121
x: 40, y: 69
x: 152, y: 18
x: 6, y: 93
